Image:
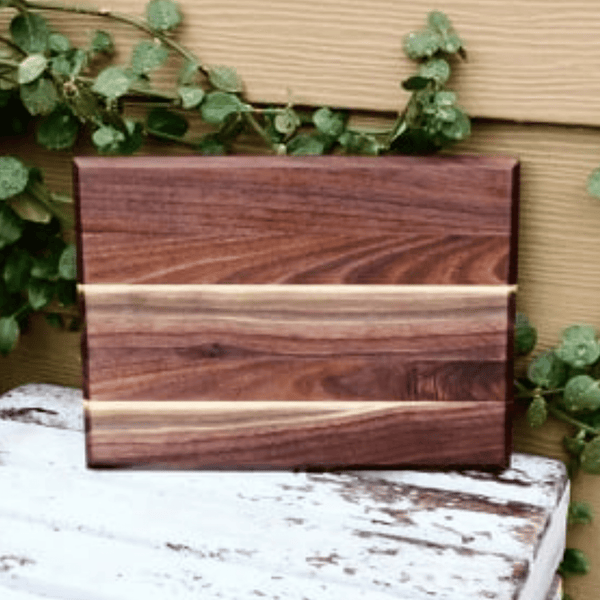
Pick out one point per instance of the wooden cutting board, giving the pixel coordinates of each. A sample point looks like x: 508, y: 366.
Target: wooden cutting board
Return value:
x: 297, y: 312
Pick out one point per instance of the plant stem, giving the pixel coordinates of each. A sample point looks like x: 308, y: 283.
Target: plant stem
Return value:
x: 23, y: 308
x: 8, y: 62
x: 260, y: 130
x: 559, y: 414
x: 159, y: 135
x: 12, y: 45
x: 122, y: 18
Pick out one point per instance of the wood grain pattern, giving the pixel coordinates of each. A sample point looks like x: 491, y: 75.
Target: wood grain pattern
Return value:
x: 300, y: 435
x: 268, y: 219
x: 528, y: 61
x: 199, y: 285
x: 296, y: 342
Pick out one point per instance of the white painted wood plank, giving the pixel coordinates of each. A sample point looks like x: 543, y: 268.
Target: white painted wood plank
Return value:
x: 376, y: 535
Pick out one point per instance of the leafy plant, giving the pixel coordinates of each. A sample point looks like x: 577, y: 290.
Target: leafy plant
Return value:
x: 563, y: 383
x: 37, y: 266
x: 74, y: 91
x: 71, y: 92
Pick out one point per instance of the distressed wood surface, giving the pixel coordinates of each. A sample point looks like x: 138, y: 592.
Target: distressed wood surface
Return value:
x: 381, y: 535
x: 267, y: 219
x: 528, y: 61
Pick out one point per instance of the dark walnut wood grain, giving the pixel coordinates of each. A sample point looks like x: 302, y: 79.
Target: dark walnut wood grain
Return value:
x: 298, y: 220
x: 281, y: 312
x: 296, y: 434
x: 297, y: 342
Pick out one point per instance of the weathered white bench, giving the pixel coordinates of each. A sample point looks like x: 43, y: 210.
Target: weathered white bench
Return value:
x: 70, y: 533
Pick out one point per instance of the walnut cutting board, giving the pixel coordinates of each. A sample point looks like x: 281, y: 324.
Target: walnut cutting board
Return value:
x: 297, y: 312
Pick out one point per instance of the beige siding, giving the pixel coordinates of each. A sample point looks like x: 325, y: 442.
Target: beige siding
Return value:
x: 534, y: 60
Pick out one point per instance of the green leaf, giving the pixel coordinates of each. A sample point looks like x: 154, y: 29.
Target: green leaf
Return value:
x: 40, y: 293
x: 590, y: 457
x: 329, y: 123
x: 445, y: 98
x: 451, y: 43
x: 163, y: 121
x: 67, y: 263
x: 190, y: 96
x: 458, y: 126
x: 574, y: 445
x: 14, y: 176
x: 437, y: 69
x: 286, y: 121
x: 580, y: 513
x: 58, y: 131
x: 439, y: 20
x: 225, y: 79
x: 30, y: 208
x: 30, y: 32
x: 11, y: 226
x: 525, y: 335
x: 422, y: 44
x: 582, y: 394
x: 61, y: 65
x: 218, y: 106
x: 574, y: 562
x: 537, y: 413
x: 547, y: 370
x: 39, y: 97
x: 306, y: 145
x: 16, y: 270
x: 579, y: 346
x: 414, y: 83
x: 147, y: 56
x: 58, y: 43
x: 102, y: 43
x: 127, y: 139
x: 107, y: 138
x: 134, y: 138
x: 211, y: 145
x: 593, y: 184
x: 163, y: 15
x: 31, y: 68
x: 112, y: 83
x: 188, y: 73
x: 9, y: 334
x: 359, y: 143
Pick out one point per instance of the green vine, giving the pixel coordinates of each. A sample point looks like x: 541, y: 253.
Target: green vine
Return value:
x: 563, y: 382
x: 71, y: 93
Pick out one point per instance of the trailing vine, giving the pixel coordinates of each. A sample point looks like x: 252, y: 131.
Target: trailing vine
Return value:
x: 564, y: 383
x: 70, y: 93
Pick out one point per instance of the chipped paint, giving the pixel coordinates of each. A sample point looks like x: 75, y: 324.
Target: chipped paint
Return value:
x: 367, y: 535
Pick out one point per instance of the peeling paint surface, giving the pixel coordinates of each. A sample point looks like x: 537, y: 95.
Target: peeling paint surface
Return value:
x: 69, y: 532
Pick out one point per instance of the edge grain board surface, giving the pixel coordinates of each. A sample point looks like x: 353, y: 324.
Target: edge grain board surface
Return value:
x: 295, y: 435
x: 296, y: 342
x: 294, y: 376
x: 198, y: 285
x: 298, y: 220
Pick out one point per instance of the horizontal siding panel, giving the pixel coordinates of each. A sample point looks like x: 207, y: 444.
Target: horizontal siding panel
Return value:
x: 530, y: 61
